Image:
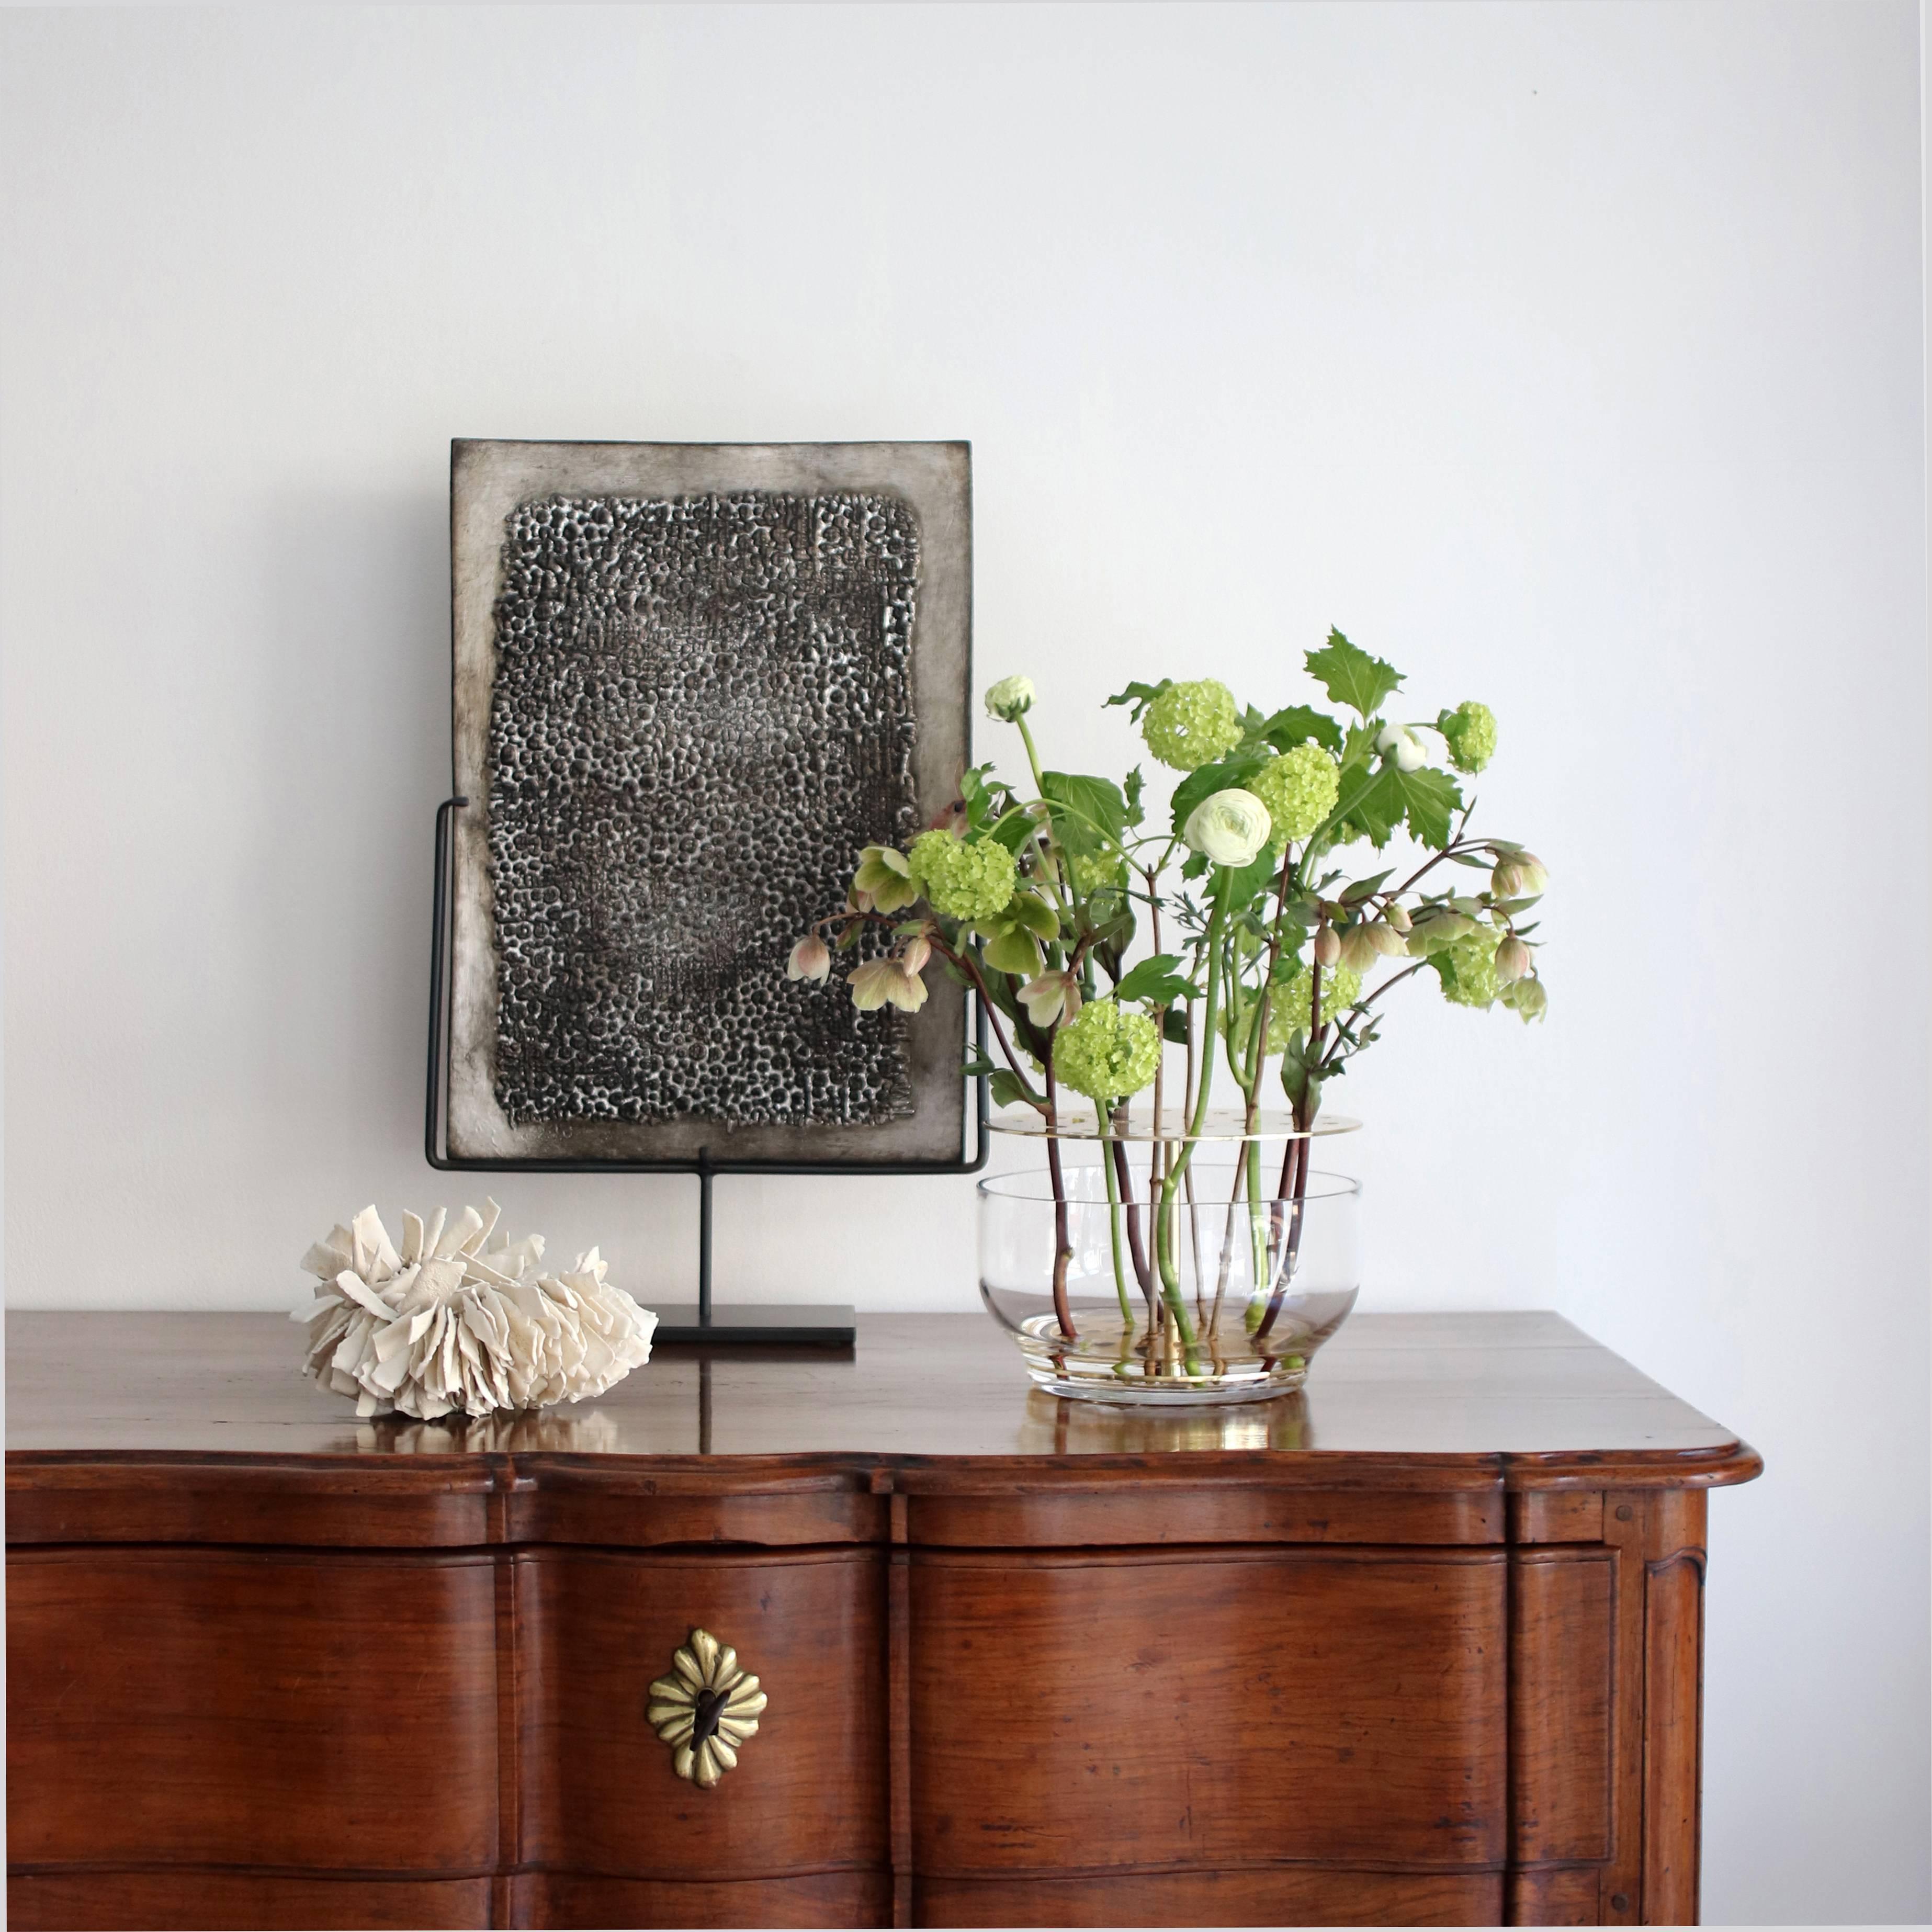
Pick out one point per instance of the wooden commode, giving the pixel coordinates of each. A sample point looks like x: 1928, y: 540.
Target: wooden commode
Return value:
x: 1422, y: 1646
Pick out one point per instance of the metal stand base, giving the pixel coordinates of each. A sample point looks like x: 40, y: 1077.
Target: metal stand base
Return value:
x: 817, y: 1325
x: 829, y: 1326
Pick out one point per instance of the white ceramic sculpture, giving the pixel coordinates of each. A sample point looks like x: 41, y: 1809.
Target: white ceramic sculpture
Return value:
x: 449, y: 1323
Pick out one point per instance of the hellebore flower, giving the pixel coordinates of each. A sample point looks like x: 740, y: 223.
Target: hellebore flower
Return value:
x: 886, y: 981
x: 811, y: 959
x: 1051, y: 997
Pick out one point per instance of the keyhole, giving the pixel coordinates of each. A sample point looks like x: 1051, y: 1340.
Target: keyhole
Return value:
x: 705, y: 1714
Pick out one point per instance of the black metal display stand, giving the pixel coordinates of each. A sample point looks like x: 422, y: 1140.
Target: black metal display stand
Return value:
x: 731, y: 1323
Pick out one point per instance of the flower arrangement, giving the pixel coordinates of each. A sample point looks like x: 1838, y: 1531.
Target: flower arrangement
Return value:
x: 1259, y: 953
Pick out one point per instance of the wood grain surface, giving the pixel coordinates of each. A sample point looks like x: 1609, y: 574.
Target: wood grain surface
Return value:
x: 599, y: 1795
x: 1283, y: 1895
x: 1562, y: 1696
x: 817, y: 1899
x: 1207, y: 1708
x: 251, y: 1707
x: 1520, y: 1389
x: 182, y: 1899
x: 1422, y: 1646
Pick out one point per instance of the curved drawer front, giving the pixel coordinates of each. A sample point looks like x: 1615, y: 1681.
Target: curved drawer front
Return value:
x: 324, y: 1711
x: 602, y: 1794
x: 1207, y: 1709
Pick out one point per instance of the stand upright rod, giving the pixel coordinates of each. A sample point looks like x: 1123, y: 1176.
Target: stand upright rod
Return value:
x: 704, y: 1237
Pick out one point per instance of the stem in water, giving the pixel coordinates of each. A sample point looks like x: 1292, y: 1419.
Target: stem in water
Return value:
x: 1304, y: 1119
x: 1113, y: 1233
x: 1063, y: 1240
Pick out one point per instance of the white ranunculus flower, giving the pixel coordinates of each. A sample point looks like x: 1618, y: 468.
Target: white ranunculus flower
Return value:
x: 1230, y: 827
x: 1010, y: 696
x: 1413, y: 745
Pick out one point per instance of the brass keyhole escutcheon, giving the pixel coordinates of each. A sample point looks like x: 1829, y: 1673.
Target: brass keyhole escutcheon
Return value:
x: 705, y: 1709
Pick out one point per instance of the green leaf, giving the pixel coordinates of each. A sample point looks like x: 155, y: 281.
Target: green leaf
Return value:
x: 1007, y: 1089
x: 1300, y: 1085
x: 1194, y: 865
x: 1133, y: 793
x: 1140, y: 696
x: 982, y: 800
x: 1173, y: 1027
x: 1158, y: 981
x: 1014, y: 828
x: 1427, y: 799
x: 1224, y: 774
x: 1110, y: 917
x: 1301, y: 724
x: 1254, y: 877
x: 1010, y: 947
x: 1351, y: 677
x: 1094, y: 814
x: 1034, y: 914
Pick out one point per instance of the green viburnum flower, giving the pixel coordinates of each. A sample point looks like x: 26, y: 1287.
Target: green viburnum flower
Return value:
x: 1471, y: 730
x: 1097, y: 871
x: 1467, y: 968
x: 964, y: 881
x: 1105, y: 1053
x: 1190, y: 725
x: 1300, y: 789
x: 1292, y: 1003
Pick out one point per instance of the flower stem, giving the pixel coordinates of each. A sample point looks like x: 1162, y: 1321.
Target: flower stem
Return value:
x: 1063, y: 1243
x: 1170, y: 1273
x: 1136, y: 1245
x: 1304, y: 1120
x: 1113, y: 1233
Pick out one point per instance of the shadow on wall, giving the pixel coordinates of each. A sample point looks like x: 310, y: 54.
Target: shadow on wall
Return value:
x: 343, y: 760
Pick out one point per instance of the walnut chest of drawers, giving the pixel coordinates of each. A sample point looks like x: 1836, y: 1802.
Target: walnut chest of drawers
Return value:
x: 1421, y: 1646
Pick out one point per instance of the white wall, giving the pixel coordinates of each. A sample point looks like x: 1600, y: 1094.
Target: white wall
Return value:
x: 1568, y: 355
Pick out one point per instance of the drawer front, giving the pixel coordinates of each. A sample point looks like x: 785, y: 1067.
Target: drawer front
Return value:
x: 1281, y: 1895
x: 1222, y: 1709
x: 832, y: 1899
x: 209, y: 1901
x: 602, y: 1795
x: 277, y: 1708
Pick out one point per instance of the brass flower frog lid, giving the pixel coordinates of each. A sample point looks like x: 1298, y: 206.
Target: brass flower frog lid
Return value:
x: 705, y: 1709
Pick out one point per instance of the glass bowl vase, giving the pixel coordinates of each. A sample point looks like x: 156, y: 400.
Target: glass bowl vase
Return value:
x: 1209, y: 1293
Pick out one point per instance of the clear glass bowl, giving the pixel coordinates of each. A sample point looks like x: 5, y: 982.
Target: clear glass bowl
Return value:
x: 1207, y: 1295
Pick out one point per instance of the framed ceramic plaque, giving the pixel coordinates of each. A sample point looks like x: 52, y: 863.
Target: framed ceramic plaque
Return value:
x: 690, y: 682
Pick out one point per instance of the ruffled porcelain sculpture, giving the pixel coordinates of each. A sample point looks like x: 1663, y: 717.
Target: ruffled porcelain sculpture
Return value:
x: 451, y: 1323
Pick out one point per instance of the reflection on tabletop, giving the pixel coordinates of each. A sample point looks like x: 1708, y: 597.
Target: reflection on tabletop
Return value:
x: 1055, y: 1426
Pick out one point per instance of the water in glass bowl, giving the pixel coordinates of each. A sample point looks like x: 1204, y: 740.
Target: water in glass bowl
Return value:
x: 1217, y: 1289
